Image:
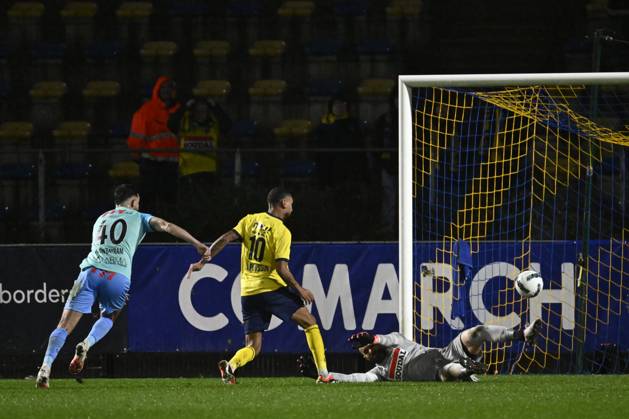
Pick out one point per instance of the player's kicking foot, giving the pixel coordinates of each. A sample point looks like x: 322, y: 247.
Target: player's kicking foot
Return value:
x: 78, y: 362
x: 531, y: 331
x: 326, y: 380
x: 43, y: 376
x: 227, y: 375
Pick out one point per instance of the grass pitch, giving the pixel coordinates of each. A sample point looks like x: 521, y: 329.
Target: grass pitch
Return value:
x: 531, y: 396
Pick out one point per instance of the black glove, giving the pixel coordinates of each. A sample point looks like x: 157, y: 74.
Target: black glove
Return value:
x: 307, y: 367
x: 360, y: 339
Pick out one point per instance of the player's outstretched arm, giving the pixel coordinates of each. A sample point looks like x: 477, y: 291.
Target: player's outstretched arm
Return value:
x: 284, y: 271
x: 357, y: 377
x: 215, y: 249
x: 174, y: 230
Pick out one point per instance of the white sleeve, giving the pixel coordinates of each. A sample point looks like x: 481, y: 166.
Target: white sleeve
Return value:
x: 393, y: 340
x: 367, y: 377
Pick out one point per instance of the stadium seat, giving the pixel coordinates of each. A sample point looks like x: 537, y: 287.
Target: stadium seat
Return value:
x: 267, y: 60
x: 211, y: 59
x: 298, y: 168
x: 266, y: 100
x: 102, y: 60
x: 374, y: 94
x: 323, y: 56
x: 78, y: 17
x: 100, y: 103
x: 157, y: 60
x: 295, y: 20
x: 319, y: 93
x: 124, y: 170
x: 15, y: 142
x: 351, y: 19
x: 72, y: 136
x: 133, y: 22
x: 48, y: 61
x: 293, y: 134
x: 5, y: 69
x: 47, y: 107
x: 17, y: 183
x: 402, y: 20
x: 217, y: 90
x: 187, y: 20
x: 24, y: 24
x: 245, y: 133
x: 243, y: 21
x: 5, y: 91
x: 377, y: 58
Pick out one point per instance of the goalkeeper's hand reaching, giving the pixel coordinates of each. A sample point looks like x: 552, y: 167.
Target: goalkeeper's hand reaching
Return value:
x: 360, y: 339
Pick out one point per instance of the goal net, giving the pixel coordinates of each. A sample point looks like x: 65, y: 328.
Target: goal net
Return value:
x: 502, y: 173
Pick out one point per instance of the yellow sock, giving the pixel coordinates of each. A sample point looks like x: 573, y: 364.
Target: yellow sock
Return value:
x: 242, y: 357
x: 315, y: 343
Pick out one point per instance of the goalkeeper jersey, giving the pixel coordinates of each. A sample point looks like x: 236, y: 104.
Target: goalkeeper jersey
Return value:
x: 406, y: 361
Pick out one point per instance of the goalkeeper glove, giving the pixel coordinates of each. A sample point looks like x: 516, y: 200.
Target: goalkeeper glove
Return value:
x: 358, y: 340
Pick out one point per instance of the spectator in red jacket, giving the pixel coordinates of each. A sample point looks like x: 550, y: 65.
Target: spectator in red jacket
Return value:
x: 157, y: 147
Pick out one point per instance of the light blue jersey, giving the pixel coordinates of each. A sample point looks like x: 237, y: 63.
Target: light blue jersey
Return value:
x: 115, y: 236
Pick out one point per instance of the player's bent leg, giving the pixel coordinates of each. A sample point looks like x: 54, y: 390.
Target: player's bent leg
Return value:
x: 253, y: 346
x: 67, y: 323
x: 315, y: 342
x: 474, y: 338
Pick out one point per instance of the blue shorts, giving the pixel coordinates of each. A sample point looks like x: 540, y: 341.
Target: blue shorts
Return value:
x: 110, y: 289
x: 258, y: 308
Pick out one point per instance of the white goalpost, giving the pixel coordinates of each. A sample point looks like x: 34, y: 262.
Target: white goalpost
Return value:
x: 407, y: 128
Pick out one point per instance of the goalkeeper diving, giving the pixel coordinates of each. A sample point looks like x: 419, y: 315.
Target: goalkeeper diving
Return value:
x: 399, y: 359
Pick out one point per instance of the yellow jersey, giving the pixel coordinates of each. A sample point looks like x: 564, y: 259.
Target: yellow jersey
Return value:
x: 265, y: 240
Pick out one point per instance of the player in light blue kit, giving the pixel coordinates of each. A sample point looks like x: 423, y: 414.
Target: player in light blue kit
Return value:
x: 106, y: 275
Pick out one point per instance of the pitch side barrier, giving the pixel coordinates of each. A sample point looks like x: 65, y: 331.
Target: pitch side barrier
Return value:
x: 355, y: 287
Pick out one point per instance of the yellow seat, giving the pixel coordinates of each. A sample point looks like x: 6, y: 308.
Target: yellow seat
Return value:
x: 205, y: 88
x: 293, y: 128
x: 268, y: 88
x: 16, y: 130
x: 125, y: 169
x: 26, y: 9
x: 267, y: 48
x: 158, y: 49
x: 48, y: 89
x: 72, y: 130
x: 101, y: 88
x: 400, y: 8
x: 296, y: 8
x: 375, y: 87
x: 79, y: 9
x: 135, y: 9
x: 212, y: 48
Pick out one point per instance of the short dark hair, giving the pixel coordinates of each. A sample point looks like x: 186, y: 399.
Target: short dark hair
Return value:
x: 124, y: 192
x: 276, y: 195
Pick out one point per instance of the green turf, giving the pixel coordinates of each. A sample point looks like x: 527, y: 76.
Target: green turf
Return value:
x: 532, y: 396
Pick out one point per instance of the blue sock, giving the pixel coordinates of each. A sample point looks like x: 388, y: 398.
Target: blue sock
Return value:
x: 55, y: 343
x: 99, y: 330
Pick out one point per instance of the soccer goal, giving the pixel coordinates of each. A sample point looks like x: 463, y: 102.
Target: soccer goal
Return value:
x: 501, y: 173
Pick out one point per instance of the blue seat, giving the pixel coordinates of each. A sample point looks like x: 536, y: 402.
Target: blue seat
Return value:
x: 48, y: 51
x: 351, y: 8
x: 103, y: 51
x: 325, y: 87
x: 298, y: 168
x: 375, y: 47
x: 244, y: 128
x: 323, y: 47
x: 247, y: 169
x: 18, y: 171
x: 243, y: 9
x: 188, y: 9
x: 74, y: 171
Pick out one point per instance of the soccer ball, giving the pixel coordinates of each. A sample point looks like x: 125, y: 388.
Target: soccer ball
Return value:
x: 529, y: 283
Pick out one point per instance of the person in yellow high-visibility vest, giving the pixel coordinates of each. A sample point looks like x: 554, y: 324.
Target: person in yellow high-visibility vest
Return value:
x: 204, y: 125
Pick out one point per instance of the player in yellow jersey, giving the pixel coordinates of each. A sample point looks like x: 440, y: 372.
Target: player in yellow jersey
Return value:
x: 267, y: 285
